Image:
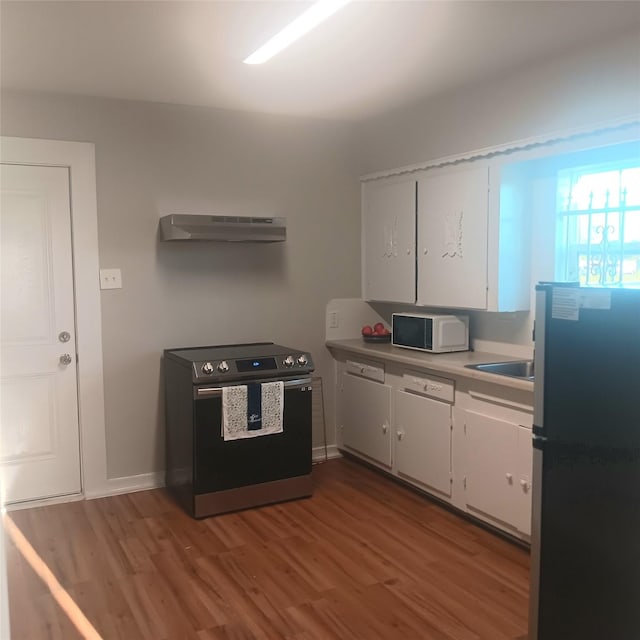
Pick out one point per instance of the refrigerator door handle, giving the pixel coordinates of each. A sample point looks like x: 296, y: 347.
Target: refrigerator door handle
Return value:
x: 538, y: 443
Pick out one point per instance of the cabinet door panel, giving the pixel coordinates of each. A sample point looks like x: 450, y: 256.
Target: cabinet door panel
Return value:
x: 366, y: 410
x: 491, y: 460
x: 423, y: 445
x: 452, y: 238
x: 389, y: 240
x: 525, y: 464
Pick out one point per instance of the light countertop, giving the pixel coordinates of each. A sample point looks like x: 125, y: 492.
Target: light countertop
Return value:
x: 438, y: 363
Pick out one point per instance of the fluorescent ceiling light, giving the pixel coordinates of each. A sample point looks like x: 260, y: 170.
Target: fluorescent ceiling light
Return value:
x: 311, y: 18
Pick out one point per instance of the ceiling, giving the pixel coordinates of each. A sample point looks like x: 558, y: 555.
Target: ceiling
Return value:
x: 369, y: 58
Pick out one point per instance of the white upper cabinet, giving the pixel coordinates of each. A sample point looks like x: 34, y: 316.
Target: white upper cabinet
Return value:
x: 455, y: 237
x: 389, y: 241
x: 509, y: 239
x: 453, y: 216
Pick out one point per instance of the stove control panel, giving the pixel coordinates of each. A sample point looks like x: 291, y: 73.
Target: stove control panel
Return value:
x: 246, y: 368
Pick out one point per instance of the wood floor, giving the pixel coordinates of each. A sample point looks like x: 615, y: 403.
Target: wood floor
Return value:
x: 363, y: 558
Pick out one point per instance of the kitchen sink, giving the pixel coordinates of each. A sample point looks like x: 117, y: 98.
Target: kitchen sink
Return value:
x: 522, y: 369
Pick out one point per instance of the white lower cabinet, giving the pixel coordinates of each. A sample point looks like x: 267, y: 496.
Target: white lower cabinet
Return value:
x: 422, y: 428
x: 522, y: 514
x: 465, y: 442
x: 366, y: 417
x: 497, y: 475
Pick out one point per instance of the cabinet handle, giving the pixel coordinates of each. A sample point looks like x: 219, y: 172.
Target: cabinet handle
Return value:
x: 384, y: 428
x: 525, y: 485
x: 509, y: 477
x: 400, y: 434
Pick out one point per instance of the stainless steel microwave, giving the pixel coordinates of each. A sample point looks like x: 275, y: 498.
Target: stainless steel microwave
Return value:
x: 433, y: 333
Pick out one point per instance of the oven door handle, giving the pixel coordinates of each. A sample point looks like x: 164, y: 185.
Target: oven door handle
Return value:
x: 211, y: 392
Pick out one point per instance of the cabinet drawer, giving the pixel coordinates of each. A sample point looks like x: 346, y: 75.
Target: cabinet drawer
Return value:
x: 431, y: 386
x: 370, y: 371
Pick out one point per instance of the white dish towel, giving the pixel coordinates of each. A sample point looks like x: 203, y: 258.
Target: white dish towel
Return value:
x: 235, y: 422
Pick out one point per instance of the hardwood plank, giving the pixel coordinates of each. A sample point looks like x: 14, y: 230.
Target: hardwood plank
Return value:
x: 364, y: 558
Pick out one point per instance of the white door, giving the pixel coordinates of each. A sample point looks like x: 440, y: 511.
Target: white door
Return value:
x: 453, y: 210
x: 389, y: 240
x: 39, y: 439
x: 423, y: 447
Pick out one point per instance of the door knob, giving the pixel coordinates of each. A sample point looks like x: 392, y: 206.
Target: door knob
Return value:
x: 64, y: 336
x: 65, y: 359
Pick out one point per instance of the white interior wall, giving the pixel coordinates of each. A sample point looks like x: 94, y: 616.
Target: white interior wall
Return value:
x: 154, y: 159
x: 596, y: 84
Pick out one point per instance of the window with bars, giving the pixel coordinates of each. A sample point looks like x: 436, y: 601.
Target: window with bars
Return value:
x: 598, y: 225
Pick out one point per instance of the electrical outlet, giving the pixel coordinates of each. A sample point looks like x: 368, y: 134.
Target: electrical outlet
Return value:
x: 110, y: 279
x: 334, y: 320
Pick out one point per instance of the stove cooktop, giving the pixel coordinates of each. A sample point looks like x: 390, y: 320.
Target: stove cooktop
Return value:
x: 242, y: 361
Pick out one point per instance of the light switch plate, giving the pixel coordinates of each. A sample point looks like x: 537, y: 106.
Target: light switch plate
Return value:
x: 110, y: 279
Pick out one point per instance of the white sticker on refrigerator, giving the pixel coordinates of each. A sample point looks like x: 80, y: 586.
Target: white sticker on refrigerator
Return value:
x: 565, y: 304
x: 596, y: 299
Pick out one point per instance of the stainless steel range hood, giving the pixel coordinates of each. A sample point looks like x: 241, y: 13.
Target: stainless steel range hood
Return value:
x: 178, y: 226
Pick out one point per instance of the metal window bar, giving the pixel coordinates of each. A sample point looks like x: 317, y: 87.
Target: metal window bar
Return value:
x: 604, y: 260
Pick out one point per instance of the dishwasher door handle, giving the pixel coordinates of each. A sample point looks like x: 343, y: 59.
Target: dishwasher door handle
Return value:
x: 212, y: 392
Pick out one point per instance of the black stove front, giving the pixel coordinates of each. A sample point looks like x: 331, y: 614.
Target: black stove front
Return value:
x: 210, y: 474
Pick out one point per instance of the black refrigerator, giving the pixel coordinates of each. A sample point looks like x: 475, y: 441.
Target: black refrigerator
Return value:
x: 585, y: 548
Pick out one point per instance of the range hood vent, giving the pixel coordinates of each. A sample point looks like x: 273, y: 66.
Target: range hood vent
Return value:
x: 179, y: 226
